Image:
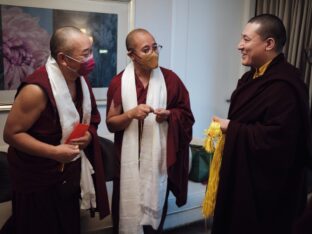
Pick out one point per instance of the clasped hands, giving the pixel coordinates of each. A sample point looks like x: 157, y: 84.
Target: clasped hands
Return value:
x: 141, y: 111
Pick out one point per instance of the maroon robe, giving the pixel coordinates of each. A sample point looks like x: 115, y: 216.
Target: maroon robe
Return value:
x: 180, y: 124
x: 262, y: 182
x: 46, y: 200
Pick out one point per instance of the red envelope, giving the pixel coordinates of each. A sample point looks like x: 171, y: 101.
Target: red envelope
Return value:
x: 78, y: 131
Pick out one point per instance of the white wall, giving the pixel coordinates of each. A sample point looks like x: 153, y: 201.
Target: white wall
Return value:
x: 200, y: 39
x: 205, y: 35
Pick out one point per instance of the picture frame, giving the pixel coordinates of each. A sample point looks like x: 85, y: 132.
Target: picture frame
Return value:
x: 122, y: 8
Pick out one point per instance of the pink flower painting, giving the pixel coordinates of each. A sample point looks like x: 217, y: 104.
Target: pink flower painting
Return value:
x: 25, y: 45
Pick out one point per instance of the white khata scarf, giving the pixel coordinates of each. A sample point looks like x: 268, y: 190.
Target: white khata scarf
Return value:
x: 143, y: 179
x: 69, y: 117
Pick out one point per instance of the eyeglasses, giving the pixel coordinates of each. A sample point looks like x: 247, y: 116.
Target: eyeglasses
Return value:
x: 149, y: 49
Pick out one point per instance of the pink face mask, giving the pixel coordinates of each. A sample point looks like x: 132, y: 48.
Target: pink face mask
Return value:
x: 86, y: 66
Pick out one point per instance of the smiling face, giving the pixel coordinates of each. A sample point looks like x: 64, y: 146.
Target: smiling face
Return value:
x: 253, y: 48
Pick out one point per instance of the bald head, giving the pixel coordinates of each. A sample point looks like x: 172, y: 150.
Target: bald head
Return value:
x: 131, y: 37
x: 62, y: 38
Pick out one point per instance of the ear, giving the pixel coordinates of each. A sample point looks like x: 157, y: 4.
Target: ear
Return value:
x: 270, y: 44
x: 130, y: 54
x: 60, y: 58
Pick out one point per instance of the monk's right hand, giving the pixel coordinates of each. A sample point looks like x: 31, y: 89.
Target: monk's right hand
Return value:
x: 65, y: 152
x: 224, y: 123
x: 140, y: 112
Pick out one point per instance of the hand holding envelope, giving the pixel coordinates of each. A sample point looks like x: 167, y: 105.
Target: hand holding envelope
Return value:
x: 78, y: 133
x: 79, y: 138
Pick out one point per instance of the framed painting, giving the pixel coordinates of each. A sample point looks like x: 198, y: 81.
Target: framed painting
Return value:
x: 27, y: 25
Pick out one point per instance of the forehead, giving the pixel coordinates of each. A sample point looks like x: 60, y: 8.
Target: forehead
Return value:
x: 141, y: 39
x: 81, y: 43
x: 251, y: 30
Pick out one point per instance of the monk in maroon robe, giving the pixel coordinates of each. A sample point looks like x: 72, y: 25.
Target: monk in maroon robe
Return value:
x: 45, y: 180
x: 262, y: 178
x: 140, y: 45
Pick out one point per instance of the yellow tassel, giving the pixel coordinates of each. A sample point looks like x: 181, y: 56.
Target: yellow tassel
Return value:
x: 214, y: 143
x: 213, y: 133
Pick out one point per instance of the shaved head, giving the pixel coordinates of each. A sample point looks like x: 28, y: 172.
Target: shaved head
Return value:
x: 61, y: 40
x: 130, y: 40
x: 271, y: 26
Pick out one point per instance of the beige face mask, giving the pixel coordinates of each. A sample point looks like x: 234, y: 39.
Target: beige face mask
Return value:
x: 149, y: 61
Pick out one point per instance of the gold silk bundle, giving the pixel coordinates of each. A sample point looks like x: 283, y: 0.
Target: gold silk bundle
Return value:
x: 214, y: 143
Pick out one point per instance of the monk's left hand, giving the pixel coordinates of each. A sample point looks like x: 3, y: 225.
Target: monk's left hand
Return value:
x: 161, y: 114
x: 224, y: 123
x: 82, y: 142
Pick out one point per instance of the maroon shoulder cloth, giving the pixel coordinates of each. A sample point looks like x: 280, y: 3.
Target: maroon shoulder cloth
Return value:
x: 30, y: 173
x: 262, y: 180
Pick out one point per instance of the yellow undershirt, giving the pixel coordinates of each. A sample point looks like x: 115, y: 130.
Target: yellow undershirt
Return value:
x: 261, y: 70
